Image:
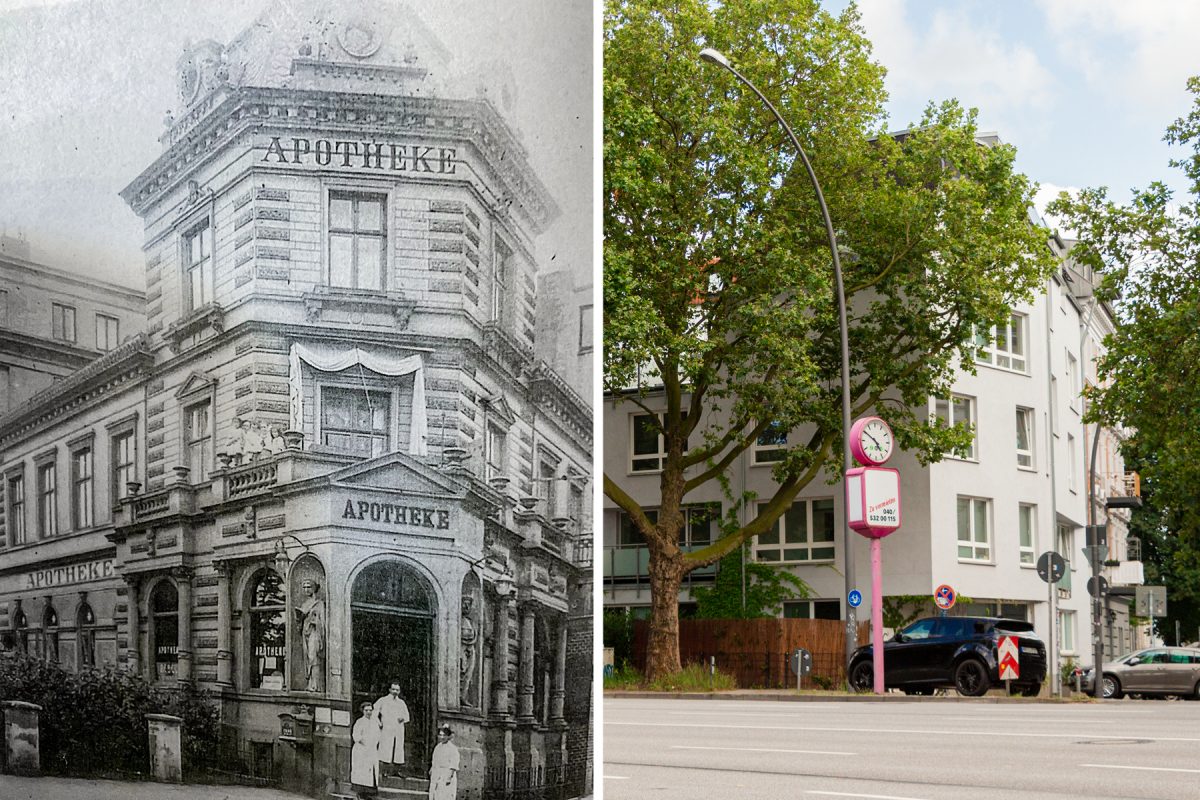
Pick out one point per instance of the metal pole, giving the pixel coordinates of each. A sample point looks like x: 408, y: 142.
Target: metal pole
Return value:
x: 1097, y: 641
x: 716, y: 57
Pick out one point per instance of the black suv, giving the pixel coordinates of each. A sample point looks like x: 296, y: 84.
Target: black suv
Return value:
x: 952, y: 652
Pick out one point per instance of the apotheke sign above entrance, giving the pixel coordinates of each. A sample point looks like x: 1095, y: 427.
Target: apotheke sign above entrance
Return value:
x: 380, y: 156
x: 70, y: 575
x: 396, y: 514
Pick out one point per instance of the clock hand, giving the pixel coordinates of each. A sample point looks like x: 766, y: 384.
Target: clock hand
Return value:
x: 873, y: 439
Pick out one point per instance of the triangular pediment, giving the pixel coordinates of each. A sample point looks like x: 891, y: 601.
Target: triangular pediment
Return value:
x: 499, y: 410
x: 397, y: 472
x: 196, y: 383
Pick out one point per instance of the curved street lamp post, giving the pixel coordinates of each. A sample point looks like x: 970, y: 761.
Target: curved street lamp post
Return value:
x: 718, y: 58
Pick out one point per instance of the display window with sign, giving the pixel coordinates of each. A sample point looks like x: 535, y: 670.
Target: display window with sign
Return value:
x: 268, y: 631
x: 164, y: 630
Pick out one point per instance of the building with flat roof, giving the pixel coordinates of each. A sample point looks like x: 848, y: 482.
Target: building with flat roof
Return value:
x: 332, y: 460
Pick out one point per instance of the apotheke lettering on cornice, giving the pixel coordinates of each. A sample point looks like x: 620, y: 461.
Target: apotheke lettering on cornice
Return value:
x: 383, y: 156
x: 66, y: 576
x: 394, y: 514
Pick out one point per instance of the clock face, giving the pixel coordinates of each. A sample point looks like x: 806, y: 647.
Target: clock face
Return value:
x: 875, y: 441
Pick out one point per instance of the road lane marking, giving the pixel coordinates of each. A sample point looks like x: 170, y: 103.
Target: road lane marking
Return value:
x: 853, y: 794
x: 919, y: 731
x: 764, y: 750
x: 1147, y: 769
x: 616, y: 777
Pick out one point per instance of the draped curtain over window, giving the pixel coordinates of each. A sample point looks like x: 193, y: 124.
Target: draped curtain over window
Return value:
x: 334, y: 359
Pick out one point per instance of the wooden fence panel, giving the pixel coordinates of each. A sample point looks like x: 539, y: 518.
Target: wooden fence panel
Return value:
x: 757, y: 651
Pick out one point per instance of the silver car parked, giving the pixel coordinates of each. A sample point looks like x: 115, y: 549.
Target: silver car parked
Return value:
x: 1155, y: 671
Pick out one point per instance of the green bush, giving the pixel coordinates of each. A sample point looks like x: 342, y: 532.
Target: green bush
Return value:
x: 75, y: 706
x: 618, y: 634
x: 625, y: 677
x: 693, y: 678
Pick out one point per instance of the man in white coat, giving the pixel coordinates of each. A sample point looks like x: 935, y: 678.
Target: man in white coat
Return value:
x: 443, y: 769
x: 392, y: 713
x: 364, y: 754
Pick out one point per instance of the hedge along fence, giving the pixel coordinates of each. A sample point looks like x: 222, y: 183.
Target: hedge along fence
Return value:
x: 93, y: 722
x: 757, y: 651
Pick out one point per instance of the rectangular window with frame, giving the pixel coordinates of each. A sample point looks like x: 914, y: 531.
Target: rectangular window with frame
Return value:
x: 62, y: 319
x: 47, y: 486
x: 356, y: 421
x: 1004, y: 346
x: 585, y: 329
x: 358, y: 241
x: 771, y: 445
x: 1072, y: 464
x: 197, y: 266
x: 124, y: 463
x: 647, y: 445
x: 82, y: 505
x: 1065, y: 541
x: 497, y: 451
x: 699, y: 526
x: 16, y: 508
x: 1027, y: 529
x: 108, y: 332
x: 806, y: 532
x: 812, y: 609
x: 197, y: 438
x: 958, y: 409
x: 1073, y: 381
x: 1066, y: 623
x: 1025, y: 438
x: 974, y: 529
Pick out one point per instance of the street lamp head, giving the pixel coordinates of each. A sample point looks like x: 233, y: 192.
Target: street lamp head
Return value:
x: 714, y: 56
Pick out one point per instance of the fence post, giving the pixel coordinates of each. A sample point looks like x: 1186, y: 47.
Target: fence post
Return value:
x: 22, y: 750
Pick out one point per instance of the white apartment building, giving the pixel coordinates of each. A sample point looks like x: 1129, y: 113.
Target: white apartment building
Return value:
x: 976, y: 521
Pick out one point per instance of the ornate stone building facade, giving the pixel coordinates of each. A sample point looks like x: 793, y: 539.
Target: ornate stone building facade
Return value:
x: 334, y: 460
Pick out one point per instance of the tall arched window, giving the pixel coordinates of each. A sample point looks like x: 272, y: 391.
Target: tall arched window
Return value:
x: 50, y: 634
x: 164, y: 621
x: 85, y: 635
x: 268, y: 631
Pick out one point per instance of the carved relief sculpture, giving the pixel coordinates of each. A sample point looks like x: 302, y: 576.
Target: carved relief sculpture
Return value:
x: 466, y: 653
x: 311, y: 612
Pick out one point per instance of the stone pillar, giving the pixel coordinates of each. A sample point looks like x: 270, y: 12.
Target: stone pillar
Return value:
x: 21, y: 746
x: 560, y: 677
x: 525, y: 689
x: 183, y: 669
x: 166, y: 754
x: 224, y: 628
x: 500, y: 686
x: 134, y: 623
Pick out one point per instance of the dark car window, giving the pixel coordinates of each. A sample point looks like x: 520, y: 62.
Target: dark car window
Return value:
x: 921, y: 629
x: 1155, y: 657
x: 1014, y: 626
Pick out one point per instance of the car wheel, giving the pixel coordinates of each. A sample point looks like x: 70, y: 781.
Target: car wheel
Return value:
x: 971, y: 678
x: 862, y: 676
x: 1110, y: 689
x: 1195, y: 695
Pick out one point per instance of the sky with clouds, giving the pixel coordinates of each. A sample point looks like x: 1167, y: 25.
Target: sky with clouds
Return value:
x: 1084, y: 89
x: 86, y: 85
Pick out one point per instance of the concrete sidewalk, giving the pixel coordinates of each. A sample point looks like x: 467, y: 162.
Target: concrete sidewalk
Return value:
x: 14, y: 788
x: 994, y: 696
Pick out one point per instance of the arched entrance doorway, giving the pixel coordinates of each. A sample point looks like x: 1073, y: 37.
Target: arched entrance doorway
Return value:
x: 391, y: 619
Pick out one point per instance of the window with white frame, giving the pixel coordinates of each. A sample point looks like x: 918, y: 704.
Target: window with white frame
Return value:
x: 82, y: 506
x: 197, y: 439
x: 647, y: 445
x: 497, y: 451
x: 804, y: 533
x: 108, y: 332
x: 47, y: 488
x: 357, y: 240
x: 699, y: 526
x: 974, y: 529
x: 958, y: 409
x: 1066, y: 624
x: 15, y: 496
x: 812, y: 609
x: 123, y: 455
x: 501, y: 273
x: 1073, y: 380
x: 1025, y: 438
x: 1066, y: 545
x: 1004, y: 345
x: 1027, y: 528
x: 197, y: 266
x: 771, y: 445
x: 1072, y: 464
x: 62, y: 322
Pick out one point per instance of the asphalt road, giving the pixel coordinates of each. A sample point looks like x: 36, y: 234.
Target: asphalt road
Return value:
x: 911, y: 750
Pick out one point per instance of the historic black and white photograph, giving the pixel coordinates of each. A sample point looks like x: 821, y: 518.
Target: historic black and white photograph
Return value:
x: 296, y: 426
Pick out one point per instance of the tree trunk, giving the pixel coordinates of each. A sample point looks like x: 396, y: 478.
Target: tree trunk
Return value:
x: 662, y: 648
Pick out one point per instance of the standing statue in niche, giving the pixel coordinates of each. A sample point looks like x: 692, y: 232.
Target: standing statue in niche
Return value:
x: 312, y: 627
x: 466, y: 653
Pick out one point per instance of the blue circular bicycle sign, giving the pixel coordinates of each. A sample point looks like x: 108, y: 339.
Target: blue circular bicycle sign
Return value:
x: 854, y: 598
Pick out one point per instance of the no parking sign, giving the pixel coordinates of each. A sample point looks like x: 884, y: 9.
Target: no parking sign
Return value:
x: 944, y: 596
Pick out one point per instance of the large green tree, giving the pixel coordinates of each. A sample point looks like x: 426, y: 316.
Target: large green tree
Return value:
x: 1148, y: 253
x: 719, y: 308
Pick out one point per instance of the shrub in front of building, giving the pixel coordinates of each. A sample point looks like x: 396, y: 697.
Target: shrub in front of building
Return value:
x: 76, y: 707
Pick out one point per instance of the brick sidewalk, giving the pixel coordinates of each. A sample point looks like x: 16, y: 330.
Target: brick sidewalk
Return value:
x: 14, y: 788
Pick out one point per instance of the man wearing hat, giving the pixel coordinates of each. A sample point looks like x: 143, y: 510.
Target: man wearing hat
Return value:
x: 443, y: 770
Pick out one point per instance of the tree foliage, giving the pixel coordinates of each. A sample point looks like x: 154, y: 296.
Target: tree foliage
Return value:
x: 762, y: 593
x: 1148, y: 252
x: 719, y: 311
